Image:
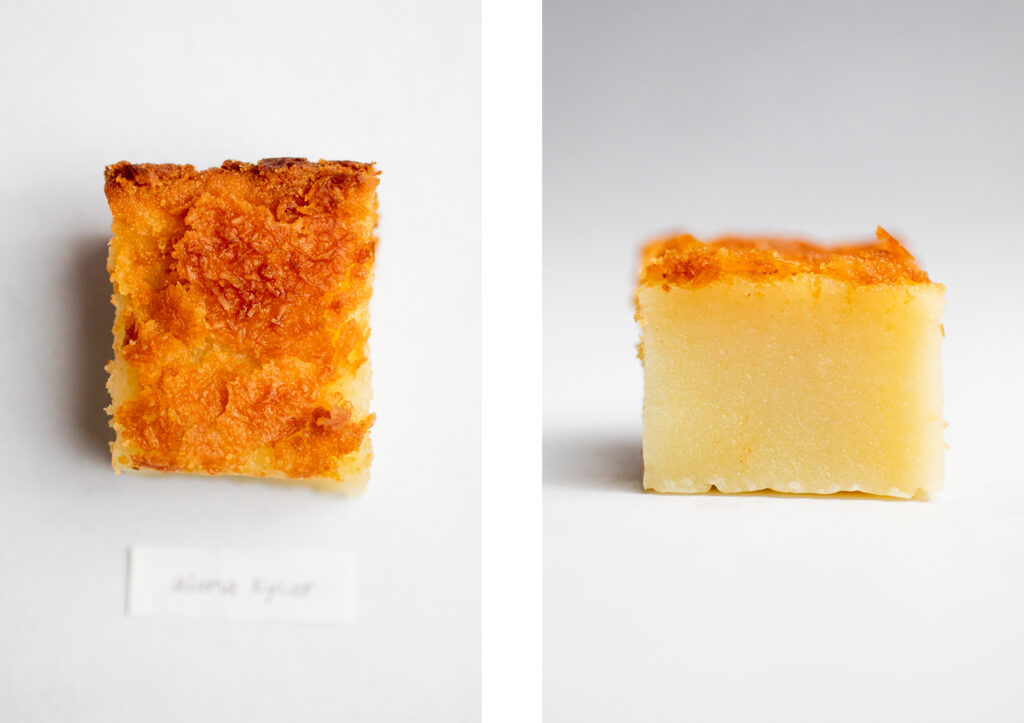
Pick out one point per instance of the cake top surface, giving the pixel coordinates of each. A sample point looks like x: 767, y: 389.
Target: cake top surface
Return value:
x: 243, y: 292
x: 684, y: 261
x: 125, y: 175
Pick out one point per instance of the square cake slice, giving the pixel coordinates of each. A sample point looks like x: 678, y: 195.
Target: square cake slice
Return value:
x: 781, y: 365
x: 240, y: 341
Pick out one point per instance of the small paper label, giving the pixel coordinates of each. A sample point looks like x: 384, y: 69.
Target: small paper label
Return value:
x: 297, y: 587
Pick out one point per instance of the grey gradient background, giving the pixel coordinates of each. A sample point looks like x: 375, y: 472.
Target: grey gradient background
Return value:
x: 821, y: 119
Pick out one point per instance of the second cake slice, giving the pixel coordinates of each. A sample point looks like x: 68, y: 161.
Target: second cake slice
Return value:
x: 781, y: 365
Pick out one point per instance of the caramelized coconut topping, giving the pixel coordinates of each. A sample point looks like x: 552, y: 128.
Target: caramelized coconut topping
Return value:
x: 244, y: 290
x: 685, y: 261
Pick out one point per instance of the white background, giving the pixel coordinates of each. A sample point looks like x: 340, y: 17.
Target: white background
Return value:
x: 822, y: 119
x: 511, y: 303
x: 84, y: 85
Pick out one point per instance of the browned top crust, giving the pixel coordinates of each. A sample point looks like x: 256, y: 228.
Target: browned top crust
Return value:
x: 685, y: 261
x: 245, y: 289
x: 125, y: 174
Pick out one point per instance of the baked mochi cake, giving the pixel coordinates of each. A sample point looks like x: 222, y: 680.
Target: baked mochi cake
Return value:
x: 241, y: 333
x: 781, y: 365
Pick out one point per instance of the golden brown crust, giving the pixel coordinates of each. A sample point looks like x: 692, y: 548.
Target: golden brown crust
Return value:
x: 685, y: 261
x: 243, y: 293
x: 126, y: 175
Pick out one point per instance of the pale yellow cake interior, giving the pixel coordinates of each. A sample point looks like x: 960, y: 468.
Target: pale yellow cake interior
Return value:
x: 801, y: 383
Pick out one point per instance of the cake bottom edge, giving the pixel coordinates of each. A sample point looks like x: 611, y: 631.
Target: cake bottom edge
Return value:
x: 685, y: 486
x: 352, y: 480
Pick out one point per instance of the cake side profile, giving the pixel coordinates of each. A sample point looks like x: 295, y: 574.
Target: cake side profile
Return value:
x: 772, y: 364
x: 242, y: 323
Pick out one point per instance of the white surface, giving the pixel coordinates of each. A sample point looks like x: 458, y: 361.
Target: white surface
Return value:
x: 511, y: 360
x: 88, y: 84
x: 823, y: 119
x: 294, y: 586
